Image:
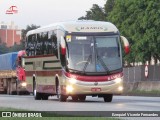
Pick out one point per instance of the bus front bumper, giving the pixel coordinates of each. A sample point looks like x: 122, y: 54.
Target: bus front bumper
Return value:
x: 94, y: 88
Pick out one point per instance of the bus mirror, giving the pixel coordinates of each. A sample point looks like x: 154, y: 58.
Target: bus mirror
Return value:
x: 63, y: 46
x: 126, y: 44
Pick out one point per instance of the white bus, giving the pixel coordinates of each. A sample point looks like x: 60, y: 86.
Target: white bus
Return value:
x: 75, y: 58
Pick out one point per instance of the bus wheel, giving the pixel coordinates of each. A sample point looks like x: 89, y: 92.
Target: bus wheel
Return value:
x: 74, y: 98
x: 82, y: 97
x: 108, y: 98
x: 57, y: 88
x: 44, y: 96
x: 62, y: 98
x: 58, y: 91
x: 37, y: 96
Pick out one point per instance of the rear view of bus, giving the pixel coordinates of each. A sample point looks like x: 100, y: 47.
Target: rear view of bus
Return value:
x: 92, y: 61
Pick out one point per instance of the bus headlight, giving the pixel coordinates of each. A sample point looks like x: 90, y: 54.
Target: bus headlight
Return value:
x: 118, y: 80
x: 24, y: 84
x: 69, y: 88
x: 72, y: 80
x: 120, y: 88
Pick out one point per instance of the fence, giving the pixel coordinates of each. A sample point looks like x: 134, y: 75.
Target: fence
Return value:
x: 137, y: 74
x: 135, y: 79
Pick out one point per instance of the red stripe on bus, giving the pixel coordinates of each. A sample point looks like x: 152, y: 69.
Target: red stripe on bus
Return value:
x: 43, y: 73
x: 94, y: 78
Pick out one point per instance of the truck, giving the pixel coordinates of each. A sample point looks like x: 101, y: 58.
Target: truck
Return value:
x: 12, y: 74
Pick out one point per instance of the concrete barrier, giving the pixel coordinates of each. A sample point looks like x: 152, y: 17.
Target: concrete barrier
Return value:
x: 145, y: 86
x: 149, y: 85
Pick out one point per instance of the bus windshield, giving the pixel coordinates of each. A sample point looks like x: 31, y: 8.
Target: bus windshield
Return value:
x: 92, y: 54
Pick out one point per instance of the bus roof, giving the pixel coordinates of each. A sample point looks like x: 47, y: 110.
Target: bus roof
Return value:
x: 78, y: 26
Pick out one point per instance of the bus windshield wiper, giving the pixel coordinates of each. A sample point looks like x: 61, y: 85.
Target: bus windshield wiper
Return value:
x: 87, y: 62
x: 103, y: 64
x: 75, y: 71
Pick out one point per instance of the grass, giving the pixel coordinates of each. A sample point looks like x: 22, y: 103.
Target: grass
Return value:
x: 55, y: 116
x: 62, y: 118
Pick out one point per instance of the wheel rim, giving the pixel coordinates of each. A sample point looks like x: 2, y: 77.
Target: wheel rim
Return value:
x: 35, y: 92
x: 58, y: 91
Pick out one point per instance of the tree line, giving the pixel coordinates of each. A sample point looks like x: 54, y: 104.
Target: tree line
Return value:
x: 138, y: 21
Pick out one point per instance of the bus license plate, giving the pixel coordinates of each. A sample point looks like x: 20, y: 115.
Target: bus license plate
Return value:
x: 95, y: 89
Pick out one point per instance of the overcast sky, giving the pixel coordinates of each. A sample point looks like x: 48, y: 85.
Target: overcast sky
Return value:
x: 44, y: 12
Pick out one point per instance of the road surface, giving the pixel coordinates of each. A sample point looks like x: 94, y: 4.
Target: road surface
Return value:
x: 119, y: 103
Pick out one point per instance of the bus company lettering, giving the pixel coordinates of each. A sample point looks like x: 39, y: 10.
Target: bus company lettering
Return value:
x: 102, y: 28
x: 114, y: 76
x: 91, y: 28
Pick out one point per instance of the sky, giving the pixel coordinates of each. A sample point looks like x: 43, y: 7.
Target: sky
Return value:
x: 44, y: 12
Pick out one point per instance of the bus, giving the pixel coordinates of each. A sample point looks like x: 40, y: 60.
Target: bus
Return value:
x: 75, y: 58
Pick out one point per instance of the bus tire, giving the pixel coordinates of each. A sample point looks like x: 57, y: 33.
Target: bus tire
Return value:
x: 44, y: 96
x: 37, y: 96
x: 74, y: 98
x: 108, y: 98
x: 57, y: 88
x: 82, y: 97
x: 62, y: 98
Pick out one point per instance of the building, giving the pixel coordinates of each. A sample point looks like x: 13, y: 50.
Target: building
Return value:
x: 9, y: 34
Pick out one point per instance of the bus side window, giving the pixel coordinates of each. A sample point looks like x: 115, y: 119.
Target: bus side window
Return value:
x: 49, y: 48
x: 39, y: 45
x: 43, y: 38
x: 44, y: 43
x: 46, y: 46
x: 31, y: 45
x: 54, y: 44
x: 26, y: 46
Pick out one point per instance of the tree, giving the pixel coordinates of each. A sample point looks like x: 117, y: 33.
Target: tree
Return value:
x: 3, y: 48
x: 95, y: 13
x: 28, y: 28
x: 108, y: 7
x: 139, y: 21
